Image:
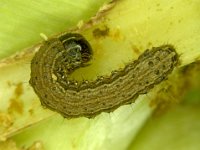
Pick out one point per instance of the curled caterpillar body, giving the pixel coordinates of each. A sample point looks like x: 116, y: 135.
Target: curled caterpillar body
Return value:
x: 59, y: 57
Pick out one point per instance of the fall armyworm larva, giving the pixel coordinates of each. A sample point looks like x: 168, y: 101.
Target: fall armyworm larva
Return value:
x: 59, y: 57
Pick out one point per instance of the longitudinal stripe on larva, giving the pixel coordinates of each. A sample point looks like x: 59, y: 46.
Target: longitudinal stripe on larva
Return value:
x: 59, y: 57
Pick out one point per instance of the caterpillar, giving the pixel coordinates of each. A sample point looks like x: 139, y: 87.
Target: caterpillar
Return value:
x: 59, y: 57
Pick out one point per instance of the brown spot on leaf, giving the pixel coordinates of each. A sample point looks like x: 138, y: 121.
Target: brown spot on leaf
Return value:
x: 5, y: 120
x: 18, y: 90
x: 135, y: 49
x: 101, y: 32
x: 16, y: 105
